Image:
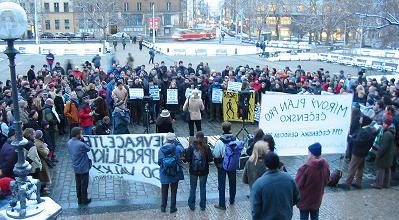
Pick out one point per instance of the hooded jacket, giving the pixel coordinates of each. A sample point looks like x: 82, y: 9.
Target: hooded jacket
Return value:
x: 166, y: 149
x: 219, y: 149
x: 189, y: 158
x: 385, y: 154
x: 311, y: 179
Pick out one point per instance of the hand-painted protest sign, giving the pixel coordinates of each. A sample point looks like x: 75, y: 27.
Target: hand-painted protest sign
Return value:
x: 297, y: 121
x: 172, y: 96
x: 217, y: 95
x: 234, y: 86
x: 136, y: 93
x: 231, y: 111
x: 129, y: 156
x: 154, y: 92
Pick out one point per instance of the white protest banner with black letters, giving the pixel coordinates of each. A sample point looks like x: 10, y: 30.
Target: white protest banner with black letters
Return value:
x: 172, y: 96
x: 217, y: 95
x: 129, y: 156
x: 136, y: 93
x: 297, y: 121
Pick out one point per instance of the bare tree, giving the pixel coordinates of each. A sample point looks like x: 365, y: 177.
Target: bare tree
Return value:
x: 384, y: 13
x: 101, y: 13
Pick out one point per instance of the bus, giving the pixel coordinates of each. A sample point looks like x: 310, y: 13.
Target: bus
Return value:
x: 194, y: 34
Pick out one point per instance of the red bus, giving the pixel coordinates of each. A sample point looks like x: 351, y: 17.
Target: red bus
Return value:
x: 194, y: 34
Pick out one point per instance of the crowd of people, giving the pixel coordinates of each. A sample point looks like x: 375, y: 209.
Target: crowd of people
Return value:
x: 98, y: 100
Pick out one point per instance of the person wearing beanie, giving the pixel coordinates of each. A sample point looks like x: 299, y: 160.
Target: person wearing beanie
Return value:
x: 170, y: 172
x: 385, y: 153
x: 311, y: 179
x: 273, y: 184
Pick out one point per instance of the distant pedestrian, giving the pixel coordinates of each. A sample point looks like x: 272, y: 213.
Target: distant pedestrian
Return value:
x: 226, y: 154
x: 273, y: 194
x: 151, y: 52
x: 115, y: 43
x: 171, y: 171
x: 311, y: 179
x: 194, y: 106
x: 385, y: 149
x: 50, y: 60
x: 124, y: 43
x: 141, y: 44
x: 254, y: 167
x: 96, y: 61
x: 199, y: 155
x: 81, y: 164
x: 134, y: 39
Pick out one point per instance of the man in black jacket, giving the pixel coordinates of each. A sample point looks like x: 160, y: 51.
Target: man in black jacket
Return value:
x: 361, y: 142
x: 31, y: 73
x: 103, y: 127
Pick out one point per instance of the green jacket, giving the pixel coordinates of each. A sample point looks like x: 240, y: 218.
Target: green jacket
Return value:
x: 385, y: 154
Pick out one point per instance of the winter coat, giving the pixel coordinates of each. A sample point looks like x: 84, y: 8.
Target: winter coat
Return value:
x: 385, y: 154
x: 71, y: 112
x: 49, y: 116
x: 102, y: 129
x: 168, y: 148
x: 84, y: 115
x: 362, y: 141
x: 24, y: 115
x: 78, y: 151
x: 121, y: 122
x: 219, y: 149
x: 252, y: 144
x: 8, y: 159
x: 36, y: 163
x: 189, y: 158
x: 43, y: 151
x: 311, y: 179
x: 59, y: 105
x: 253, y: 171
x: 194, y: 106
x: 164, y: 125
x: 273, y: 195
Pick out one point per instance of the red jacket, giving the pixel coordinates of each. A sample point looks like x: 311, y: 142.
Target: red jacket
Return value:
x: 85, y: 119
x: 311, y: 179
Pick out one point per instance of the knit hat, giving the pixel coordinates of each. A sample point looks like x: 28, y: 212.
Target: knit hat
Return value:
x: 387, y: 119
x: 170, y: 137
x: 38, y: 134
x: 315, y: 149
x: 165, y: 113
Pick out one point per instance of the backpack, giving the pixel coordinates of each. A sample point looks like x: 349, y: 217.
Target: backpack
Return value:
x: 169, y: 162
x: 232, y: 155
x: 198, y: 162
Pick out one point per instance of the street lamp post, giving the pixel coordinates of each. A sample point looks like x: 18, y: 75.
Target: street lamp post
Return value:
x: 153, y: 23
x: 25, y: 201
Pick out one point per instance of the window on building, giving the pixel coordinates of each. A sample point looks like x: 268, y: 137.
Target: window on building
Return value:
x: 138, y: 6
x: 272, y: 8
x: 47, y: 7
x: 56, y: 7
x: 138, y: 20
x: 286, y: 8
x: 66, y: 7
x: 126, y: 6
x: 168, y: 6
x: 67, y: 25
x: 47, y: 24
x: 167, y: 20
x: 91, y: 23
x: 81, y: 23
x: 301, y: 8
x: 57, y: 24
x: 151, y: 5
x: 261, y: 8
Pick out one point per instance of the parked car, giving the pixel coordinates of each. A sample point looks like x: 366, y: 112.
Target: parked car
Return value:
x: 86, y: 35
x: 121, y: 35
x: 47, y: 35
x: 59, y: 35
x: 70, y: 35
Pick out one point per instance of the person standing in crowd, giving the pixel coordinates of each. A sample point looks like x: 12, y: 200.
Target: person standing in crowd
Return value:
x: 311, y: 179
x: 171, y: 171
x: 43, y: 152
x: 198, y: 155
x: 259, y: 134
x: 81, y: 164
x: 59, y: 108
x: 23, y: 113
x: 103, y: 127
x: 50, y: 117
x: 31, y: 75
x: 96, y: 61
x: 121, y: 119
x: 220, y: 153
x: 254, y: 167
x: 274, y: 194
x: 194, y: 105
x: 71, y: 111
x: 8, y: 156
x: 50, y: 60
x: 86, y: 116
x: 361, y: 142
x: 215, y: 107
x: 164, y: 122
x: 385, y: 150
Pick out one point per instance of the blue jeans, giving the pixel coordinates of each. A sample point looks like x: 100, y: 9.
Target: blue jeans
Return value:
x: 222, y: 186
x: 193, y: 189
x: 304, y: 214
x: 88, y: 130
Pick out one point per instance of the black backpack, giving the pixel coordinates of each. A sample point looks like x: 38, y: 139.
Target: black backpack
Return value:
x: 198, y: 162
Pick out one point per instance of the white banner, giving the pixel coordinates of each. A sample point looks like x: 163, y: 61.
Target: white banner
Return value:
x: 297, y: 121
x: 136, y: 93
x: 234, y: 86
x: 172, y: 96
x: 129, y: 156
x: 154, y: 92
